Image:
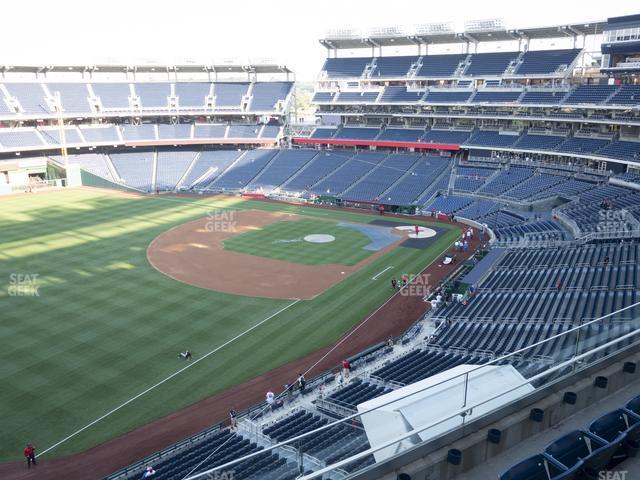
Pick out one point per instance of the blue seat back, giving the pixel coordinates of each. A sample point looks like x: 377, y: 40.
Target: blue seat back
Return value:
x: 569, y: 449
x: 609, y: 425
x: 538, y: 467
x: 634, y: 405
x: 602, y: 454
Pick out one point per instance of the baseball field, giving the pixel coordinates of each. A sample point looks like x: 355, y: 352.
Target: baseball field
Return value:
x: 100, y: 291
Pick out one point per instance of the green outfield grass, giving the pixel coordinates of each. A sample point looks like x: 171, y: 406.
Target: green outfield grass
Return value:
x: 105, y: 325
x: 284, y: 241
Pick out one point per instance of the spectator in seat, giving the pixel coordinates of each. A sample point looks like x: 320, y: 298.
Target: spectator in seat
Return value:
x: 233, y: 419
x: 149, y: 472
x: 270, y: 399
x: 302, y: 383
x: 346, y: 369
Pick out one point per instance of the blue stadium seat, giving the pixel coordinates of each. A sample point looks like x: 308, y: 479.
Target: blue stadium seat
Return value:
x: 439, y: 66
x: 612, y: 425
x: 30, y: 96
x: 485, y: 138
x: 627, y: 95
x: 503, y: 96
x: 229, y: 95
x: 633, y: 405
x: 393, y: 66
x: 543, y: 97
x: 238, y: 175
x: 442, y: 95
x: 112, y: 96
x: 153, y: 96
x: 401, y: 135
x: 399, y: 94
x: 266, y: 95
x: 545, y: 62
x: 589, y: 94
x: 357, y: 97
x: 356, y: 133
x: 323, y: 97
x: 345, y: 67
x: 446, y: 136
x: 192, y: 95
x: 74, y: 97
x: 490, y: 64
x: 541, y: 467
x: 582, y: 447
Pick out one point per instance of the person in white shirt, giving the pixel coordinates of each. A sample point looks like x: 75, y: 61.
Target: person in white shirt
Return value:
x: 270, y: 399
x: 148, y: 472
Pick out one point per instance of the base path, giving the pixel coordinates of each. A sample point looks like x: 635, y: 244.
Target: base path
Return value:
x: 391, y: 320
x: 194, y: 253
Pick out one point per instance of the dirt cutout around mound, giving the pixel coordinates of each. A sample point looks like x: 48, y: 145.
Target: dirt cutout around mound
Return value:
x: 194, y: 253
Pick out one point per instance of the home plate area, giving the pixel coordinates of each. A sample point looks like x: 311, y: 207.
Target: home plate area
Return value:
x: 423, y: 232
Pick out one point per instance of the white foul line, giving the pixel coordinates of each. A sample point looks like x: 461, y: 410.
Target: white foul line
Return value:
x: 375, y: 277
x: 167, y: 379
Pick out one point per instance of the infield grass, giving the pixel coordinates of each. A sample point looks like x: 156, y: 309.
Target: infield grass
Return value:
x: 284, y: 240
x: 105, y: 325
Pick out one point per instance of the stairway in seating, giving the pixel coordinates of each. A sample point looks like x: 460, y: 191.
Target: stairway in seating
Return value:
x: 452, y: 178
x: 188, y: 171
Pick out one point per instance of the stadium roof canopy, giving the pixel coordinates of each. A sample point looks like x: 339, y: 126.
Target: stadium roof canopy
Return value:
x: 443, y: 33
x: 148, y: 68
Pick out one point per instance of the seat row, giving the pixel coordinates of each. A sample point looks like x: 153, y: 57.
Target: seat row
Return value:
x: 609, y: 440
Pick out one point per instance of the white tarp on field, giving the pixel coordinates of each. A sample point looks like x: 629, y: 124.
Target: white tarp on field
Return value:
x: 445, y: 395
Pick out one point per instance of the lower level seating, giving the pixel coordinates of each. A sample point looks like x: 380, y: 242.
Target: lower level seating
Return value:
x: 357, y: 392
x: 221, y: 448
x: 420, y: 364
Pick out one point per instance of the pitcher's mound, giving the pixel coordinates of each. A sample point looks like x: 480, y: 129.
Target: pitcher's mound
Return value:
x: 319, y: 238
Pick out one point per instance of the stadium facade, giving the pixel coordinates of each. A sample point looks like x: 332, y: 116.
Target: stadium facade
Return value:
x: 539, y: 148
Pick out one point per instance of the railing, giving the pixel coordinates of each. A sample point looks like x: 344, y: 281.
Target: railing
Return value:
x: 573, y: 350
x: 527, y: 241
x: 606, y: 235
x: 39, y: 185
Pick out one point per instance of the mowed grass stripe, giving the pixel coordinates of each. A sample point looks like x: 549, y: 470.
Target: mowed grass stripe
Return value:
x: 107, y: 325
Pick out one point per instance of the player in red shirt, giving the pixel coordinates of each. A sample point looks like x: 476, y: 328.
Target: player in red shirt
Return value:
x: 30, y: 455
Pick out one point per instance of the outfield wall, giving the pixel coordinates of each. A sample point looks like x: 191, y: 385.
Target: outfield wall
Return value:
x: 90, y: 180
